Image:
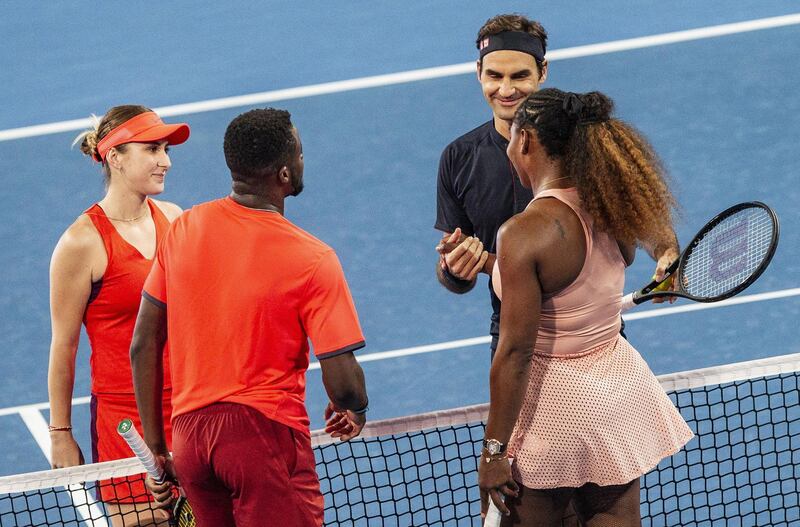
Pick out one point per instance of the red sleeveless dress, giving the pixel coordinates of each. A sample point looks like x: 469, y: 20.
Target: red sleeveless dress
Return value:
x: 109, y: 319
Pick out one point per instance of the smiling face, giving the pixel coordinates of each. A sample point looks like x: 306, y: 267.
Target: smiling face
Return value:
x: 141, y: 167
x: 506, y: 78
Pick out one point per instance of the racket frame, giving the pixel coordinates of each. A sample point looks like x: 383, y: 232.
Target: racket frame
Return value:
x: 674, y: 270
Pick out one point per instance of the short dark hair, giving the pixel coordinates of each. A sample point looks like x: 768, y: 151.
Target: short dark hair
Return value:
x: 259, y: 142
x: 514, y: 22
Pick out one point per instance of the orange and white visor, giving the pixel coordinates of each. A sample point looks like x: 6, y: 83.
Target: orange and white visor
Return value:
x: 144, y: 128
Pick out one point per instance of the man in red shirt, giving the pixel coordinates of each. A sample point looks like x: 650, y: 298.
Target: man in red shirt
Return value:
x: 239, y: 290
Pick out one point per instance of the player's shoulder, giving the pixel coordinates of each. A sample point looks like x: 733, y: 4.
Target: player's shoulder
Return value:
x: 537, y: 217
x: 553, y: 221
x: 80, y: 239
x: 82, y: 231
x: 514, y: 227
x: 471, y: 139
x: 184, y: 222
x: 204, y: 211
x: 547, y: 212
x: 305, y: 241
x: 170, y: 210
x: 308, y: 251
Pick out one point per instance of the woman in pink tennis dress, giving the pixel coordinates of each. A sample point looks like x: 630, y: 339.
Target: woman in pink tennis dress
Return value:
x: 573, y: 405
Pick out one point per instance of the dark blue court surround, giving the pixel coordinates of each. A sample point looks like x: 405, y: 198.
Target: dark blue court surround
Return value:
x: 722, y: 112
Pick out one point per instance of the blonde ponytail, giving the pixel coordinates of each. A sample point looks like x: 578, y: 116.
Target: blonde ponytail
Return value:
x: 88, y: 139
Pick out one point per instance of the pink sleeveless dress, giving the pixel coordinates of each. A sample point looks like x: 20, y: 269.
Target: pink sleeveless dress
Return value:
x: 593, y: 410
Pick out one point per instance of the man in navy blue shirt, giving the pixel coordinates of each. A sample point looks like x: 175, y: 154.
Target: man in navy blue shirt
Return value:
x: 477, y: 190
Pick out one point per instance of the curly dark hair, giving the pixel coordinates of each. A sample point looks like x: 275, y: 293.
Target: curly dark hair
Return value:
x: 620, y: 179
x: 514, y: 22
x: 258, y: 143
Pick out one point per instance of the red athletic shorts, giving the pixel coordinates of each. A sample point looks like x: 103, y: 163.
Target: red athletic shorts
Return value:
x: 107, y: 445
x: 234, y: 462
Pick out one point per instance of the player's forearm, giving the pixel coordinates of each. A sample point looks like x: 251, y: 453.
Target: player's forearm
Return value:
x: 508, y: 381
x: 451, y: 283
x: 148, y: 373
x: 60, y: 383
x: 350, y: 393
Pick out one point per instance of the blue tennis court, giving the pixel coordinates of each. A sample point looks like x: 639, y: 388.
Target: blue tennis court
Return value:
x: 720, y: 107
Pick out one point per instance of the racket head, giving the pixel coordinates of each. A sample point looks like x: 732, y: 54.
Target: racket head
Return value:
x: 728, y: 254
x: 182, y: 513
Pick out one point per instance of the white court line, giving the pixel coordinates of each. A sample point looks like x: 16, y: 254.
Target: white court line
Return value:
x: 85, y: 506
x: 416, y: 350
x: 39, y: 406
x: 650, y: 313
x: 35, y: 422
x: 474, y: 341
x: 417, y: 75
x: 664, y: 311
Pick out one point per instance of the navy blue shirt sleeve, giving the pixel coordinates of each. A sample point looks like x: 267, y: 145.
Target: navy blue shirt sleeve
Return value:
x: 450, y: 212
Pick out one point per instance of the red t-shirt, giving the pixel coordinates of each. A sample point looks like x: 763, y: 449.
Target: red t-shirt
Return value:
x: 244, y: 290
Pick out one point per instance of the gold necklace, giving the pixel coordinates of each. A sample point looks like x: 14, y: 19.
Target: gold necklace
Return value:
x: 128, y: 220
x: 550, y: 181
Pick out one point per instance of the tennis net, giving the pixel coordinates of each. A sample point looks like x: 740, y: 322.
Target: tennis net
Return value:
x: 742, y: 468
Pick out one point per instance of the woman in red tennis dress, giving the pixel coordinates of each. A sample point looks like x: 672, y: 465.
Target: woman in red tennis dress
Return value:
x: 573, y: 405
x: 97, y: 272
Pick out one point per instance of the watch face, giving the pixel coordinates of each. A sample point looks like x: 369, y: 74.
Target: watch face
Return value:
x: 493, y: 446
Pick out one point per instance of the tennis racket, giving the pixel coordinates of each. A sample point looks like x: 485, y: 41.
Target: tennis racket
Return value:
x: 722, y: 260
x: 182, y: 515
x: 493, y: 516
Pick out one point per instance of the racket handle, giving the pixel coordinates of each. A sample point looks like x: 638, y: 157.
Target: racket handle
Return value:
x: 137, y: 444
x: 493, y: 516
x: 627, y: 302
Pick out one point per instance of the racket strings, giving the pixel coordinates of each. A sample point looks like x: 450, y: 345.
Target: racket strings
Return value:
x: 184, y: 517
x: 729, y: 254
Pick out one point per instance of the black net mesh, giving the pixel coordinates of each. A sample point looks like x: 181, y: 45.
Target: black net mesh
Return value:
x: 742, y: 469
x: 79, y: 504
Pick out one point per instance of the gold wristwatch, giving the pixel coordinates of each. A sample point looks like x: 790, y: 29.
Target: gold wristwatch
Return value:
x: 494, y: 447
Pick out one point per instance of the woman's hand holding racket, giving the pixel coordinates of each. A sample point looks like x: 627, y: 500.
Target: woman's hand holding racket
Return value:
x: 728, y: 254
x: 496, y: 483
x: 666, y: 283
